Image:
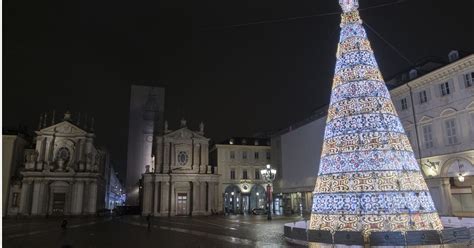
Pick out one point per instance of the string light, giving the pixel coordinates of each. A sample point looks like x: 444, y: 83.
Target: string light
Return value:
x: 368, y: 179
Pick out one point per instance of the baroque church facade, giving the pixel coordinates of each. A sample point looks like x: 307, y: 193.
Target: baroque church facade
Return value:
x: 180, y: 180
x: 64, y: 173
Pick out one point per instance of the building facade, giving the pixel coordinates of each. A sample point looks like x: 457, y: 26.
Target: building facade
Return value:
x: 145, y: 121
x: 241, y: 187
x: 180, y: 181
x: 296, y: 153
x: 115, y: 191
x: 14, y: 144
x: 435, y: 103
x: 437, y: 111
x: 64, y: 173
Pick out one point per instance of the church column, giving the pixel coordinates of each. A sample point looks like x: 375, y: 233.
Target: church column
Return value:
x: 173, y: 200
x: 173, y: 155
x: 92, y: 199
x: 202, y: 162
x: 202, y: 198
x: 166, y: 158
x: 196, y: 148
x: 156, y: 198
x: 39, y: 198
x: 210, y: 197
x: 217, y: 198
x: 77, y: 198
x: 165, y: 187
x: 195, y: 200
x: 25, y: 203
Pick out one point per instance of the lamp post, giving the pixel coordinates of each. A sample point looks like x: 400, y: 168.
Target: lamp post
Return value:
x: 268, y: 175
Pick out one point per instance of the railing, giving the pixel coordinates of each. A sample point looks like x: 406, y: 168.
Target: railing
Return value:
x: 298, y: 233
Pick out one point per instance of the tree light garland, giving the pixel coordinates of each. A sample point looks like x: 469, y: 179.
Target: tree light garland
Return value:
x: 368, y: 179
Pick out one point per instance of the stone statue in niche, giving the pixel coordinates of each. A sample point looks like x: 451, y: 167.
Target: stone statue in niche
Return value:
x: 60, y: 164
x: 34, y: 156
x: 89, y: 158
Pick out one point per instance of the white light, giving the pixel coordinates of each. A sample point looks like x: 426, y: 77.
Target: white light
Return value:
x: 268, y: 166
x: 257, y: 193
x: 461, y: 178
x: 273, y: 171
x: 232, y: 193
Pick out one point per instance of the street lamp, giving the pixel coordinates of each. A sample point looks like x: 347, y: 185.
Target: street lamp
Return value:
x: 268, y: 175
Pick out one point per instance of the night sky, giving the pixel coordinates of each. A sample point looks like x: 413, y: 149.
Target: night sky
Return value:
x: 238, y: 79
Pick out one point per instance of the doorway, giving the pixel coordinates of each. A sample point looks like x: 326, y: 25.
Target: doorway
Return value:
x: 59, y: 202
x: 182, y: 204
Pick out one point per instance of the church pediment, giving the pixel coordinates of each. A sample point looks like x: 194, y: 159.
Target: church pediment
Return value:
x: 184, y: 133
x: 64, y: 127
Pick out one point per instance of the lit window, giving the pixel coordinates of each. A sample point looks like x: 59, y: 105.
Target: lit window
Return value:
x: 468, y: 79
x: 445, y: 89
x: 232, y: 174
x: 256, y: 155
x: 451, y: 131
x: 232, y: 154
x: 257, y: 174
x: 423, y: 97
x: 244, y: 155
x: 427, y: 136
x: 268, y: 155
x: 404, y: 104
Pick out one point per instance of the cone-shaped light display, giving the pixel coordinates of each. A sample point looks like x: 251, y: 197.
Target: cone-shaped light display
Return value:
x: 368, y: 179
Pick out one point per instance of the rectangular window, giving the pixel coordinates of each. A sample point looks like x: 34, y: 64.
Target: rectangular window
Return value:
x: 427, y: 136
x: 244, y: 174
x: 232, y: 174
x: 468, y: 79
x: 15, y: 199
x: 232, y: 154
x: 244, y: 155
x: 256, y: 155
x: 445, y: 89
x: 257, y: 174
x: 423, y: 97
x: 268, y: 155
x: 451, y: 131
x: 404, y: 104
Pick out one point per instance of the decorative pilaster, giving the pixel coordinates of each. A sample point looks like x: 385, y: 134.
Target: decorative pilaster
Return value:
x: 166, y: 158
x: 25, y: 204
x: 202, y: 198
x: 165, y: 200
x: 173, y: 199
x: 195, y: 200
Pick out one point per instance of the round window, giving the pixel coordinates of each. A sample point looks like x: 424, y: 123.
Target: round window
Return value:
x: 182, y: 158
x: 64, y: 154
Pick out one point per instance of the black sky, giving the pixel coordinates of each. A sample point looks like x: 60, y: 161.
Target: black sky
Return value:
x: 83, y: 56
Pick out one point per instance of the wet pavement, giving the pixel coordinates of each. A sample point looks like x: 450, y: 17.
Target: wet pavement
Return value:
x: 132, y: 231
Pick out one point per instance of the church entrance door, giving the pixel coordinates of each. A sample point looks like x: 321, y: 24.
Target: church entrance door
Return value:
x: 182, y: 204
x: 59, y: 202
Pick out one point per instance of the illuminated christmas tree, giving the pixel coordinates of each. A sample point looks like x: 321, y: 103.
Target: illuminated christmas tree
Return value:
x: 368, y: 179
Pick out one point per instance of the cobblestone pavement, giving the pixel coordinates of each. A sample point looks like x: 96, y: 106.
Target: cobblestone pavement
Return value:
x: 132, y: 231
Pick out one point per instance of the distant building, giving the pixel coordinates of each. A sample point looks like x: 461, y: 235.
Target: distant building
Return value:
x: 435, y: 102
x: 180, y: 181
x: 239, y: 161
x: 14, y: 144
x: 64, y: 173
x: 115, y: 191
x: 145, y: 121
